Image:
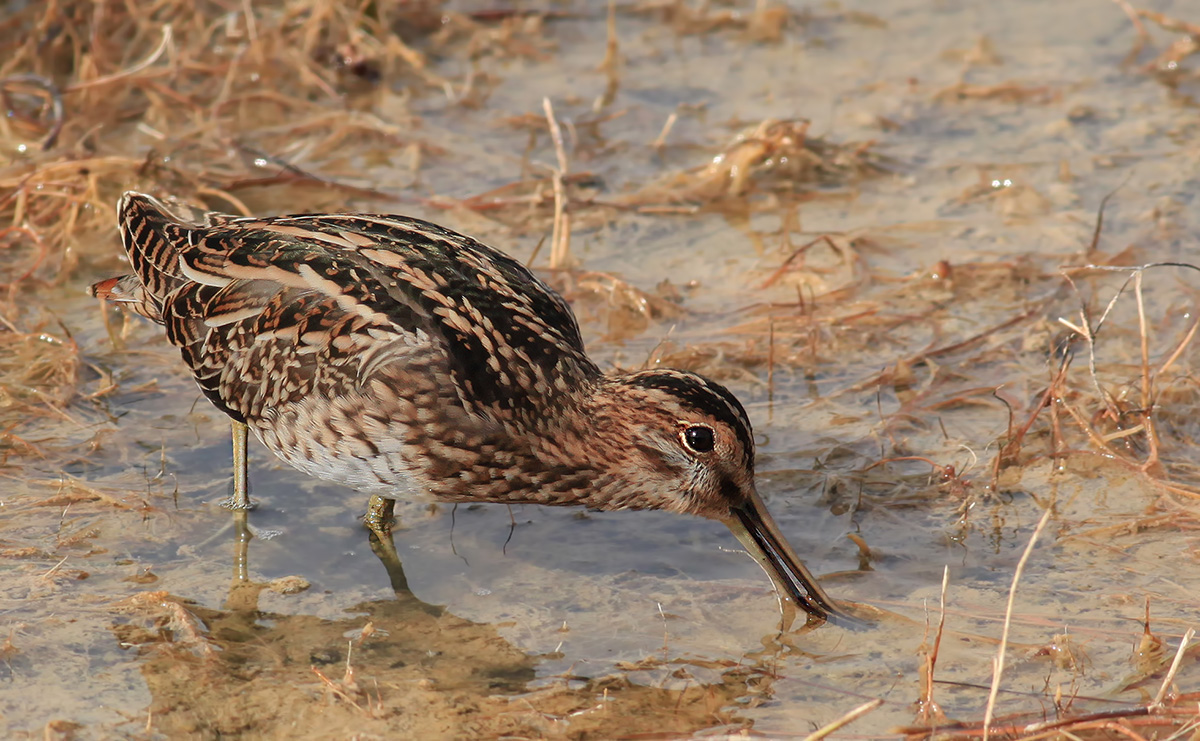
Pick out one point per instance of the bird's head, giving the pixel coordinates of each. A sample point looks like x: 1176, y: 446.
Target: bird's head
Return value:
x: 686, y: 444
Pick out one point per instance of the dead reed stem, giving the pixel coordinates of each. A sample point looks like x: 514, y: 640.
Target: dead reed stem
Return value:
x: 1157, y: 702
x: 998, y: 663
x: 560, y: 240
x: 844, y: 721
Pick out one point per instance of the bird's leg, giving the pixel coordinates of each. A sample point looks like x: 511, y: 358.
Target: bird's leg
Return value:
x: 240, y: 499
x: 379, y: 521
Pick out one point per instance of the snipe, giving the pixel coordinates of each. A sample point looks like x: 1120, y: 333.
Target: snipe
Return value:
x: 402, y: 359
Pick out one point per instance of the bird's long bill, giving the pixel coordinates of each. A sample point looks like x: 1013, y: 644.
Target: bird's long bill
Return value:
x: 757, y: 531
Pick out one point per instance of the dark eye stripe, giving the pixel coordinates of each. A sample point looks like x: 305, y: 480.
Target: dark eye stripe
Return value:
x: 704, y: 396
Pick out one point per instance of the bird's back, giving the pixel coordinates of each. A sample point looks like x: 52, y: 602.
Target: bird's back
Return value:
x: 271, y: 311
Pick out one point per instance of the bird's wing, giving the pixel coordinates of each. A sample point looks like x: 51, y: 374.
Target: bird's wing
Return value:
x: 322, y: 297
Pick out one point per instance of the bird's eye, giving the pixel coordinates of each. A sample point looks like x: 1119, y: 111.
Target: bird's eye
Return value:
x: 699, y: 439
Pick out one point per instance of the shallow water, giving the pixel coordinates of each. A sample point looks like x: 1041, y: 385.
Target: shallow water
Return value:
x: 119, y: 597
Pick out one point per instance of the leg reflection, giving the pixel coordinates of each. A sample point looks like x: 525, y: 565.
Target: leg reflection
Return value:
x: 384, y: 549
x: 378, y: 520
x: 243, y: 593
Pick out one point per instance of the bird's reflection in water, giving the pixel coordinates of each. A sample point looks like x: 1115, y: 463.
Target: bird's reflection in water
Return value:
x: 395, y: 667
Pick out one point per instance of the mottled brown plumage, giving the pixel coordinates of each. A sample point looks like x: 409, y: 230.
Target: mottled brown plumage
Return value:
x: 402, y: 359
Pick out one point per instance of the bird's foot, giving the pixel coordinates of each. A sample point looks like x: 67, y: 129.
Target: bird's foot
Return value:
x: 380, y: 516
x: 239, y: 503
x: 239, y: 496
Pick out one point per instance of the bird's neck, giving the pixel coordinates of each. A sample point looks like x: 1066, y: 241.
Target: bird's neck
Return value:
x: 579, y: 453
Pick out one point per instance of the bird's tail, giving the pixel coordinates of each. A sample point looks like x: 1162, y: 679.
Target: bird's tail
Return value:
x: 129, y: 292
x: 153, y: 235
